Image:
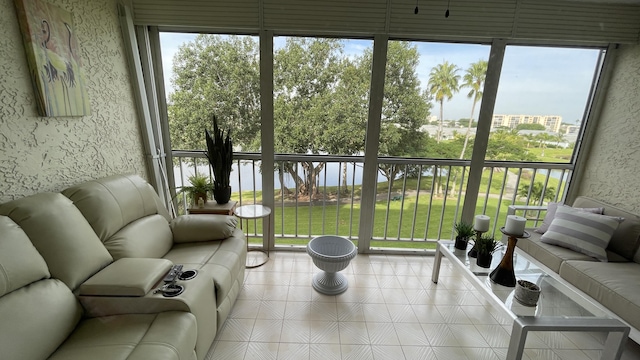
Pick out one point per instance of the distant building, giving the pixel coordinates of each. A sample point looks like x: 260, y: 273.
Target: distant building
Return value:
x: 572, y: 129
x: 550, y: 122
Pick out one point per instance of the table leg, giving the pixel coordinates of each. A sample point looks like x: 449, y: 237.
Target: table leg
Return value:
x: 617, y: 332
x: 436, y: 264
x: 260, y: 250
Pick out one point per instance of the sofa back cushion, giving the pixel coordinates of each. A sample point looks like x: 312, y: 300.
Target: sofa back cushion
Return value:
x: 110, y: 203
x: 20, y: 262
x: 37, y: 313
x: 61, y: 234
x: 626, y: 238
x: 148, y: 237
x: 124, y: 212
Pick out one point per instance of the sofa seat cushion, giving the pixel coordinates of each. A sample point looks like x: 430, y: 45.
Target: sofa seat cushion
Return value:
x: 36, y: 319
x: 614, y: 285
x: 194, y: 254
x: 167, y: 335
x: 549, y: 255
x: 222, y: 260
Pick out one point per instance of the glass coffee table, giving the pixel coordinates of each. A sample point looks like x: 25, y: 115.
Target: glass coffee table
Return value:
x: 559, y: 308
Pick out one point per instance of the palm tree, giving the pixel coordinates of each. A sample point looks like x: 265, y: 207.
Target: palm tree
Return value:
x: 474, y: 80
x: 443, y: 83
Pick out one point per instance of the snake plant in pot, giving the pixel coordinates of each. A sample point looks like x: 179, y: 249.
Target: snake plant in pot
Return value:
x: 220, y: 155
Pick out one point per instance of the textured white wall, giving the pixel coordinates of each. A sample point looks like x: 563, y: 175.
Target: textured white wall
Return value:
x: 48, y: 154
x: 613, y: 170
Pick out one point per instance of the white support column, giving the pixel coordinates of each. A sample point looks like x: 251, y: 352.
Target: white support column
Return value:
x: 267, y: 131
x: 484, y: 126
x: 370, y: 170
x: 141, y: 100
x: 163, y: 118
x: 150, y: 77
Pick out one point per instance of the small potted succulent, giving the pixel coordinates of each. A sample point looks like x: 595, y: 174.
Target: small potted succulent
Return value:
x: 464, y: 232
x: 527, y: 293
x: 485, y: 246
x: 198, y: 189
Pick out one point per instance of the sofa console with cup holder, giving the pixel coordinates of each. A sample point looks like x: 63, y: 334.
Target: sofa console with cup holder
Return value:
x: 102, y: 271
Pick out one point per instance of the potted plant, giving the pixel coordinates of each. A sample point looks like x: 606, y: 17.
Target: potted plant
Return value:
x: 527, y: 293
x: 464, y: 231
x: 198, y: 189
x: 220, y: 155
x: 485, y: 246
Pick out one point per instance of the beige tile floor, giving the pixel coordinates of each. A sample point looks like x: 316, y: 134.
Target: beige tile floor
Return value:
x: 391, y: 310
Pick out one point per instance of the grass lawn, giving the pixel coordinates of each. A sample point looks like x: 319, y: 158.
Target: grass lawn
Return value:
x: 341, y: 220
x: 305, y: 221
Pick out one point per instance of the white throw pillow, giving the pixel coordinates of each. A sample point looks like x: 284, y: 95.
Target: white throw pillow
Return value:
x: 551, y: 213
x: 581, y: 231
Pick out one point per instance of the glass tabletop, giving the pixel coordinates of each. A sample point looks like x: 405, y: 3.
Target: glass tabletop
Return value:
x: 252, y: 211
x: 557, y: 298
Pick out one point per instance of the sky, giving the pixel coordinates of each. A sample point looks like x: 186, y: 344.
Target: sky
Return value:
x: 534, y: 80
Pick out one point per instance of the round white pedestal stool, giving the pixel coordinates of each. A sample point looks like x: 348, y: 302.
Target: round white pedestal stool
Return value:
x: 331, y: 254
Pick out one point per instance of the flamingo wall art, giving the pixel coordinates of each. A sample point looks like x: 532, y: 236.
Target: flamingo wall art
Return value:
x: 54, y: 58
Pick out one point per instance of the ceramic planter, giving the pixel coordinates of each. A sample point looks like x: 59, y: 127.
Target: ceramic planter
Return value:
x: 527, y: 293
x: 461, y: 243
x: 484, y: 260
x: 222, y: 195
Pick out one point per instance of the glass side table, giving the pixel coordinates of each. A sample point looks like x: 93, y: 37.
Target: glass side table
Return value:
x: 250, y: 212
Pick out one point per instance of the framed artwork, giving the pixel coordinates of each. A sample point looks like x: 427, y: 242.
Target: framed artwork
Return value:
x: 54, y: 58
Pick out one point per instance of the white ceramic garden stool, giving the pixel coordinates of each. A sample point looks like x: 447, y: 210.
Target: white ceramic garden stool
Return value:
x: 331, y: 254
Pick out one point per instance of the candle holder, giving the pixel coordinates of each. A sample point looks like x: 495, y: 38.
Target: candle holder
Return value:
x: 474, y: 252
x: 504, y: 274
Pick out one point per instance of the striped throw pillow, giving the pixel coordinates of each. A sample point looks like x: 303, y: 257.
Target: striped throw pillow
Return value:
x: 581, y: 231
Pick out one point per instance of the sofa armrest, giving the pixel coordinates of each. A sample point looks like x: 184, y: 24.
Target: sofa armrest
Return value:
x: 202, y: 227
x: 126, y: 277
x: 513, y: 208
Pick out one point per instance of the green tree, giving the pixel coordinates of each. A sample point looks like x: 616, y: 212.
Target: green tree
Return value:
x: 507, y: 145
x: 405, y: 108
x: 534, y: 192
x: 215, y: 75
x: 474, y: 79
x: 306, y: 72
x: 321, y: 99
x: 559, y: 137
x: 543, y: 139
x: 443, y: 83
x: 530, y: 127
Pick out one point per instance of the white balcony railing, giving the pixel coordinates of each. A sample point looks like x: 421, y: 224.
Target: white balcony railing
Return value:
x: 412, y: 211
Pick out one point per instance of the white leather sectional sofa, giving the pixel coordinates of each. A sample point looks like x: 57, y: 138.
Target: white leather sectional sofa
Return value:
x: 79, y: 270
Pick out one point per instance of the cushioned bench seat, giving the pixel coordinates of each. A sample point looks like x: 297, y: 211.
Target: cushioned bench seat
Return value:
x: 614, y: 285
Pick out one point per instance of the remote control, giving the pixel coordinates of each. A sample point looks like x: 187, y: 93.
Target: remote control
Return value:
x: 172, y: 275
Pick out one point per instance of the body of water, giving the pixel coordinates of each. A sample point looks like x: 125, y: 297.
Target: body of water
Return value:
x: 244, y: 177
